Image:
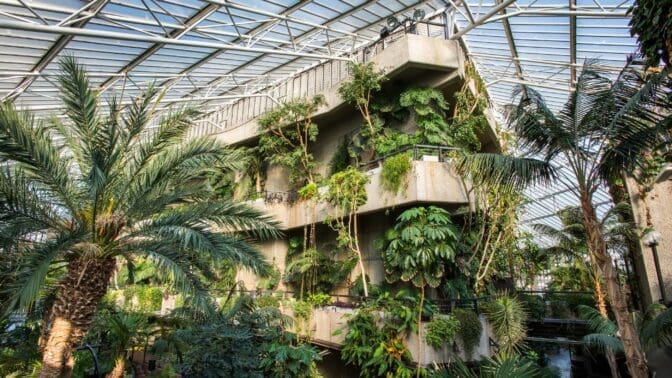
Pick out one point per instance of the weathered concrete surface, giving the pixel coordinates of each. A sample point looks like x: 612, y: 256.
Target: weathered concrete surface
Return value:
x: 325, y: 321
x: 410, y: 51
x: 659, y: 203
x: 428, y: 181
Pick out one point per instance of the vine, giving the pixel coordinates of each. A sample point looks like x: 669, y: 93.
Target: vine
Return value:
x: 470, y: 329
x: 441, y: 331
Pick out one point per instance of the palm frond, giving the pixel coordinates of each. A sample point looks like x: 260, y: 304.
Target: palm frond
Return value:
x: 80, y: 100
x: 24, y: 142
x: 597, y: 322
x: 658, y: 331
x: 603, y: 342
x: 506, y: 171
x: 23, y: 286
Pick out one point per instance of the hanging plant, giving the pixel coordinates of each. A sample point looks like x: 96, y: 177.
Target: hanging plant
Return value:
x: 394, y: 174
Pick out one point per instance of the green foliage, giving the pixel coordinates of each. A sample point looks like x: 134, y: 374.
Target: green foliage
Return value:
x: 319, y: 299
x: 19, y: 355
x: 267, y: 301
x: 470, y: 329
x: 429, y: 108
x: 441, y: 331
x: 365, y: 82
x: 535, y: 305
x: 395, y: 172
x: 98, y: 186
x: 374, y: 340
x: 319, y: 270
x: 302, y: 309
x: 651, y: 22
x: 507, y: 316
x: 308, y: 191
x: 286, y: 359
x: 418, y: 246
x: 271, y: 281
x: 248, y: 342
x: 341, y: 159
x: 566, y: 305
x: 390, y: 141
x: 149, y: 298
x: 347, y: 189
x: 287, y: 132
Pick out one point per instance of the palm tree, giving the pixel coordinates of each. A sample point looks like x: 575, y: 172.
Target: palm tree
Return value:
x: 77, y: 195
x: 655, y: 329
x: 603, y: 129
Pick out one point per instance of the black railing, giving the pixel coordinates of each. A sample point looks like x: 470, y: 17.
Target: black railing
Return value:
x: 274, y: 196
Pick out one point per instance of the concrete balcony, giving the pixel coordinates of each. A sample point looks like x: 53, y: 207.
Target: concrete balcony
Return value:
x: 429, y: 181
x: 322, y: 326
x: 417, y: 59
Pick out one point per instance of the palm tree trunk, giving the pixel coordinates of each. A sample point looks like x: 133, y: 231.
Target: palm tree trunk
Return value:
x: 119, y: 368
x: 602, y: 308
x: 420, y: 342
x: 76, y: 302
x: 629, y: 335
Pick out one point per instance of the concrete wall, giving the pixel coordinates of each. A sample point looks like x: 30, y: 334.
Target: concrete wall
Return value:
x: 325, y: 321
x: 428, y: 181
x: 410, y: 51
x: 659, y: 202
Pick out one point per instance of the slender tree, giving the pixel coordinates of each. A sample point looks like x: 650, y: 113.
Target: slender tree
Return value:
x: 78, y: 195
x: 603, y: 129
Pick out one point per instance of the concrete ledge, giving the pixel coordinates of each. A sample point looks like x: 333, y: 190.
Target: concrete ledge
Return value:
x: 407, y: 52
x: 428, y: 181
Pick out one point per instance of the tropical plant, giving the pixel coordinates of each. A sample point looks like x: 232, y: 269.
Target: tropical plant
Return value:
x: 655, y: 330
x: 394, y: 174
x: 416, y: 249
x: 374, y: 336
x: 651, y: 22
x: 441, y: 331
x: 364, y: 83
x: 470, y: 329
x: 500, y: 366
x: 507, y: 316
x: 347, y: 192
x: 108, y: 190
x: 603, y: 129
x: 287, y: 132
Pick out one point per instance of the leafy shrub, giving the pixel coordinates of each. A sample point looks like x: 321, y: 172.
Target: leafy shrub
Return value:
x: 391, y: 141
x: 441, y: 331
x: 267, y: 301
x: 341, y: 158
x: 394, y: 172
x: 535, y: 306
x: 470, y: 329
x: 308, y: 191
x: 319, y: 299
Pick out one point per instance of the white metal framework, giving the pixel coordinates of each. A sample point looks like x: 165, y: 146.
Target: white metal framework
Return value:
x: 218, y: 52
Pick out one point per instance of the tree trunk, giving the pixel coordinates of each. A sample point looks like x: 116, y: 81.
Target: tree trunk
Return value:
x: 420, y: 342
x: 359, y: 257
x: 629, y: 335
x: 75, y: 305
x: 119, y: 368
x: 602, y: 307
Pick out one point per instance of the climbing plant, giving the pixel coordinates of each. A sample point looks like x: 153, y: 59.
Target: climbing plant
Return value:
x: 441, y: 331
x: 651, y: 22
x: 470, y: 329
x: 347, y: 192
x: 286, y: 134
x: 416, y: 249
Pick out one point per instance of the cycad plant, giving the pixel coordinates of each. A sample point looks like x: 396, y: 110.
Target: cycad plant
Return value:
x: 75, y: 196
x: 604, y: 128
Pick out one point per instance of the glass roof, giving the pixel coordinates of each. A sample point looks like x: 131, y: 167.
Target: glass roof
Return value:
x: 216, y: 52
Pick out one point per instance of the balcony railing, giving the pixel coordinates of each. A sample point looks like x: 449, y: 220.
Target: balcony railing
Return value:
x: 309, y: 82
x: 418, y: 152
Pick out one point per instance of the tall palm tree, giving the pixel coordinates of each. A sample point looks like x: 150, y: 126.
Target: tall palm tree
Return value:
x: 77, y: 195
x: 603, y: 129
x: 572, y: 241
